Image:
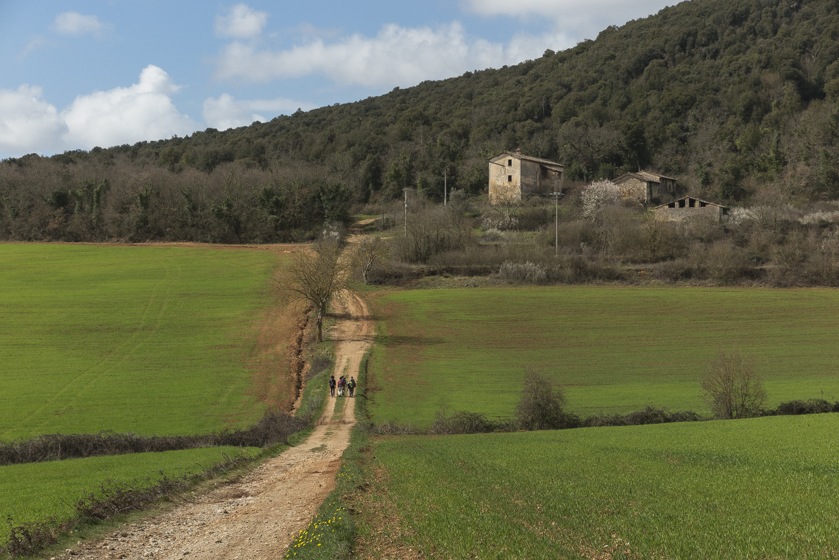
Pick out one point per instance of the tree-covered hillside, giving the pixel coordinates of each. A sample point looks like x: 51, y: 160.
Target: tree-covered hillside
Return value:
x: 735, y: 98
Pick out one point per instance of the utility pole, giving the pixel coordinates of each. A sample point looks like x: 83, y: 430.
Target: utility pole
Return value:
x: 445, y: 180
x: 406, y: 211
x: 557, y: 196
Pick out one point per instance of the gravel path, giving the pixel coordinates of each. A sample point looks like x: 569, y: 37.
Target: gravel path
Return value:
x: 257, y: 516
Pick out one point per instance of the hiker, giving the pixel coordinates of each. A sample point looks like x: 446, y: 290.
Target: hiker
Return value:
x: 331, y: 385
x: 351, y: 385
x: 341, y: 383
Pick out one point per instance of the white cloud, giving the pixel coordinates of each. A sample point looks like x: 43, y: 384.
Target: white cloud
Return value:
x: 142, y: 111
x: 241, y: 22
x: 226, y: 112
x: 559, y: 9
x: 27, y: 122
x: 397, y: 56
x: 36, y: 43
x: 73, y: 23
x: 583, y: 20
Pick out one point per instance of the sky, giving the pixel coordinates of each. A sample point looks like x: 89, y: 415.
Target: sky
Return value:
x: 75, y: 74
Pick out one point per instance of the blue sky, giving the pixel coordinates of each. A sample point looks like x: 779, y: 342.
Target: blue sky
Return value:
x: 79, y: 74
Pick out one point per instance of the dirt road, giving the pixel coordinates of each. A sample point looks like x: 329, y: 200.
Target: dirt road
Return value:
x: 257, y: 516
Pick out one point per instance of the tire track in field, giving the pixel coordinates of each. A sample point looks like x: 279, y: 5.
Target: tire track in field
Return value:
x: 81, y: 383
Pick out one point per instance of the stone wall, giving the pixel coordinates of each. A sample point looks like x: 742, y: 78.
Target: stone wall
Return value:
x: 504, y: 179
x: 633, y: 189
x: 710, y: 211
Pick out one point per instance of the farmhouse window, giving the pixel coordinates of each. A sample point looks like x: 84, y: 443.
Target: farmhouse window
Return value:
x: 509, y: 178
x: 509, y: 163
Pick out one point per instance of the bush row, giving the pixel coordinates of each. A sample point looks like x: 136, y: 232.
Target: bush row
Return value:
x: 272, y: 428
x: 464, y: 422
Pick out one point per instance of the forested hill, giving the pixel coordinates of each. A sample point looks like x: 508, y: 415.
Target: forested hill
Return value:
x: 735, y: 98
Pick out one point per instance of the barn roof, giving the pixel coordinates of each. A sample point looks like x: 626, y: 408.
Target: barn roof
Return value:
x: 519, y: 155
x: 645, y: 176
x: 674, y: 203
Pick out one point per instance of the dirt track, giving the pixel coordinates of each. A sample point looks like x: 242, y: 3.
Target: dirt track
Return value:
x: 257, y: 516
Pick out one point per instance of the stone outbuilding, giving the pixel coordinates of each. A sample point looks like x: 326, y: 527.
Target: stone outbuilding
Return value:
x: 513, y: 176
x: 688, y: 207
x: 645, y: 186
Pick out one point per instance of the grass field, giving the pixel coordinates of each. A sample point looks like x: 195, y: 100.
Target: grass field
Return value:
x: 762, y: 488
x: 36, y: 491
x: 146, y: 339
x: 613, y: 349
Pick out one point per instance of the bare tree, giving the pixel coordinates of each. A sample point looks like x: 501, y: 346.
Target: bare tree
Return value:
x: 316, y: 276
x: 369, y: 253
x: 733, y: 389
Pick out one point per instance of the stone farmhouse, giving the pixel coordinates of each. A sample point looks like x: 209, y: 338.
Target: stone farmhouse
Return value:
x: 688, y: 207
x: 513, y: 176
x: 645, y: 186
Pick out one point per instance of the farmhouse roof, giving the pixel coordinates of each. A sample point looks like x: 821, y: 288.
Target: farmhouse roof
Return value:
x: 675, y: 203
x: 519, y: 155
x: 645, y: 176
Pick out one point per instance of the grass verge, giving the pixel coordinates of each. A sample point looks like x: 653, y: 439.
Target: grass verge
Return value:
x: 333, y: 532
x: 41, y: 500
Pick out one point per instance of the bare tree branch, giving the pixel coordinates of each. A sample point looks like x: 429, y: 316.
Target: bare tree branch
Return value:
x: 317, y: 276
x: 733, y: 389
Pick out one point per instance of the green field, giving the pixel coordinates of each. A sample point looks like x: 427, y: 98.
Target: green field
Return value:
x: 761, y: 488
x: 37, y: 491
x: 145, y: 339
x: 613, y: 349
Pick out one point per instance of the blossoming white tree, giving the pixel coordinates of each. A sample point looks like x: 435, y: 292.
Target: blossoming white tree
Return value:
x: 597, y: 196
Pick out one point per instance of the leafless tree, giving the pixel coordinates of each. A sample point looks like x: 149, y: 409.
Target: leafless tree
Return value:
x: 369, y: 253
x: 317, y: 276
x: 733, y: 389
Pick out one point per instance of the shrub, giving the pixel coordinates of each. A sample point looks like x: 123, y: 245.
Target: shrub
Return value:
x: 541, y: 404
x: 430, y: 231
x: 722, y: 261
x: 499, y: 222
x: 272, y: 428
x: 319, y: 363
x: 811, y: 406
x: 674, y: 271
x: 460, y: 422
x: 528, y: 272
x: 733, y: 389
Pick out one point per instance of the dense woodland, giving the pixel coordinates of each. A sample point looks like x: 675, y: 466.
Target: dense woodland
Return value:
x: 738, y: 99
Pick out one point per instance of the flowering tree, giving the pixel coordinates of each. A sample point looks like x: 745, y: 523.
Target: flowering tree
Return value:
x: 597, y: 196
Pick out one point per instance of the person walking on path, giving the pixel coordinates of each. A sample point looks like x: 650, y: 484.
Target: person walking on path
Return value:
x: 351, y: 385
x: 331, y: 385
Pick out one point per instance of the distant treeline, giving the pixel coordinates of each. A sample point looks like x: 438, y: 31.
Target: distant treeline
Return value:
x: 735, y: 98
